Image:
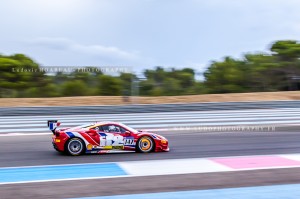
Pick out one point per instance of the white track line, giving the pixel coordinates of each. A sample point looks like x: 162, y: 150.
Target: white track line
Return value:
x: 166, y: 167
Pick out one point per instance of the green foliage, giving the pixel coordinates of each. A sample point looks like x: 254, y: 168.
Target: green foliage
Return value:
x: 126, y: 79
x: 168, y: 82
x: 109, y: 85
x: 146, y: 87
x: 75, y: 88
x: 50, y: 90
x: 287, y: 50
x: 278, y: 70
x: 157, y: 92
x: 222, y: 76
x: 18, y: 73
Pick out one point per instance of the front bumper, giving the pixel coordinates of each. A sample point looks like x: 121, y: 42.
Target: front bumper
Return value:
x: 162, y: 145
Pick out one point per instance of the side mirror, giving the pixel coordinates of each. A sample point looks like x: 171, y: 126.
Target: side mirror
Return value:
x: 127, y: 133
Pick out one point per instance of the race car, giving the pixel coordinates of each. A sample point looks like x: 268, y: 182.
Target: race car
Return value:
x: 104, y: 137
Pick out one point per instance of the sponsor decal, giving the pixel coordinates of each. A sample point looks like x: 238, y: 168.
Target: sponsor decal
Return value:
x: 102, y: 134
x: 129, y: 141
x: 70, y: 134
x: 107, y: 147
x: 118, y: 147
x: 103, y: 151
x: 89, y: 147
x: 88, y: 138
x: 52, y: 126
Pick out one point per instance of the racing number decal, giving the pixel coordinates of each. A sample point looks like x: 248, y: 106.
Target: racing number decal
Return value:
x: 129, y: 141
x: 117, y: 140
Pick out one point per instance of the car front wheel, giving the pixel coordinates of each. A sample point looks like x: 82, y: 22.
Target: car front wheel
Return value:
x: 145, y: 144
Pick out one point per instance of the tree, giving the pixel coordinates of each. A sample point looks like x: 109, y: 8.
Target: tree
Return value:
x: 227, y: 76
x: 109, y: 85
x: 277, y: 70
x: 146, y: 87
x: 19, y: 72
x: 75, y: 88
x: 168, y: 82
x: 286, y: 50
x: 262, y: 72
x: 127, y: 80
x: 287, y: 53
x: 171, y: 86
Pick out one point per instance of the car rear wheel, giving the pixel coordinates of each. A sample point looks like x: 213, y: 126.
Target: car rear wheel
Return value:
x: 145, y: 144
x: 75, y: 146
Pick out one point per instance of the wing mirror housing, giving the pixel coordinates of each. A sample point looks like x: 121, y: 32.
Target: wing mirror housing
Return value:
x: 127, y: 133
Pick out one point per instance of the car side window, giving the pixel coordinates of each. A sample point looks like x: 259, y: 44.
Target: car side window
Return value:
x: 96, y: 128
x: 110, y: 129
x: 113, y: 129
x: 122, y: 130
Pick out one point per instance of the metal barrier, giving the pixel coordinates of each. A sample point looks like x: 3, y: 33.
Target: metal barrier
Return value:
x: 149, y: 108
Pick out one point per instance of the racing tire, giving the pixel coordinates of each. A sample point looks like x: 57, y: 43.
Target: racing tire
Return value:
x: 145, y: 144
x: 75, y: 147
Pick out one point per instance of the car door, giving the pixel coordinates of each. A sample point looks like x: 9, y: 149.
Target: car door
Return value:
x: 112, y: 137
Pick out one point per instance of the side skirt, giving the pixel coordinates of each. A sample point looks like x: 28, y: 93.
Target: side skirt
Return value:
x: 109, y: 151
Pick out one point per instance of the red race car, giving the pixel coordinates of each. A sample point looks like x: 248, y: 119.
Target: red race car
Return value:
x: 105, y: 137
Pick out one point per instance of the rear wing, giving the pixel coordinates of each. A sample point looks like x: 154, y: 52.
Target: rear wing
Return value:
x: 53, y: 124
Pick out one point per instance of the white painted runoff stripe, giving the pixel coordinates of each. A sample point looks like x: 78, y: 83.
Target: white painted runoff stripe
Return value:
x: 162, y: 121
x: 138, y: 118
x: 143, y: 118
x: 208, y: 165
x: 23, y: 134
x: 171, y: 167
x: 170, y: 125
x: 48, y: 173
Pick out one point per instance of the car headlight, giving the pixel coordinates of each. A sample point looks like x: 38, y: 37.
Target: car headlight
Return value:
x: 164, y: 141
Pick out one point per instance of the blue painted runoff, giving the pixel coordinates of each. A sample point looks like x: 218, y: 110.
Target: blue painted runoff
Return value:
x: 23, y: 174
x: 291, y: 191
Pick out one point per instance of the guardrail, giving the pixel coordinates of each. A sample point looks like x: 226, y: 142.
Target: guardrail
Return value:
x: 149, y: 108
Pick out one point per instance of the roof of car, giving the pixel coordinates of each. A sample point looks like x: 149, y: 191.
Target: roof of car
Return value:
x: 106, y: 122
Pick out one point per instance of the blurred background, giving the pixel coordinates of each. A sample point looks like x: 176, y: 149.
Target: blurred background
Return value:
x: 220, y: 79
x: 147, y: 48
x: 278, y: 70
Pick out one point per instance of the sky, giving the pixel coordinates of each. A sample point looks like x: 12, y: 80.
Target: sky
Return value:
x: 144, y: 33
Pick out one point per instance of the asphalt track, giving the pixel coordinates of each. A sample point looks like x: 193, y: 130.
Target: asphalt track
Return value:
x: 37, y: 150
x: 31, y: 150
